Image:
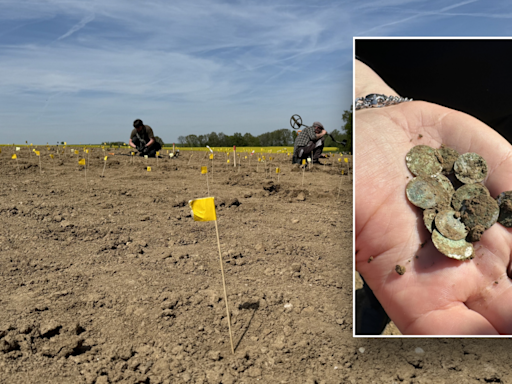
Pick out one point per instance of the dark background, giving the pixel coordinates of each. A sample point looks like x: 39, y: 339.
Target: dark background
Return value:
x: 472, y: 76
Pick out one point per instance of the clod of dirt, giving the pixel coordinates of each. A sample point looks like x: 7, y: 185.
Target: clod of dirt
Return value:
x: 296, y: 267
x: 301, y: 197
x: 248, y: 195
x: 295, y: 221
x: 180, y: 203
x: 233, y: 203
x: 475, y: 233
x: 270, y: 187
x: 400, y: 269
x: 50, y: 329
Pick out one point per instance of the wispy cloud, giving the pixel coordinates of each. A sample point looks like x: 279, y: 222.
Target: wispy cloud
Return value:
x: 77, y: 27
x: 207, y: 64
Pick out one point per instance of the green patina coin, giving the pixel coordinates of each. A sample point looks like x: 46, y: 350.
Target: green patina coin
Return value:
x: 482, y: 210
x: 467, y: 192
x: 505, y: 203
x: 449, y: 156
x: 470, y: 168
x: 450, y: 226
x: 455, y: 249
x: 426, y: 192
x: 428, y: 218
x: 423, y: 160
x: 444, y: 200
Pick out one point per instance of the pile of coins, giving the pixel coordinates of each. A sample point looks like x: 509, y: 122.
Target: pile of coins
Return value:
x: 458, y: 208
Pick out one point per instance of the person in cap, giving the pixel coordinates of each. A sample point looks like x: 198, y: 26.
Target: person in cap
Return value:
x: 310, y: 143
x: 143, y: 139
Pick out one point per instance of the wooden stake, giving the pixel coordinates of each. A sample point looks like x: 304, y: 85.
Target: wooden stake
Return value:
x: 190, y: 158
x: 104, y: 165
x: 224, y: 285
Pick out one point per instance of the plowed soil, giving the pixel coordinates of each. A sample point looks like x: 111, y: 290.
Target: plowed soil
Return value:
x: 111, y: 280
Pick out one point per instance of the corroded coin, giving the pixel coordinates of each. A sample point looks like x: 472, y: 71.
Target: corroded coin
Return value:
x: 505, y: 203
x: 470, y: 168
x: 467, y: 192
x: 425, y: 192
x: 450, y: 226
x: 428, y: 218
x: 444, y: 199
x: 449, y: 156
x: 422, y: 160
x: 455, y: 249
x: 481, y: 210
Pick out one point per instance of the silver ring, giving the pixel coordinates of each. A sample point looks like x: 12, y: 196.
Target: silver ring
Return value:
x: 375, y: 100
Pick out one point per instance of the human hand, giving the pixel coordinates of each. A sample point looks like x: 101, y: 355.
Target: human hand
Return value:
x: 436, y: 295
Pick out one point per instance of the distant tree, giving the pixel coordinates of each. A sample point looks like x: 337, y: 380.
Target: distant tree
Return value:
x: 182, y: 140
x: 348, y: 119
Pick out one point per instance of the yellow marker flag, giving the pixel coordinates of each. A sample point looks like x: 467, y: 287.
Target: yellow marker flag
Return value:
x: 288, y: 153
x: 14, y: 156
x: 203, y: 209
x: 228, y: 160
x: 204, y: 170
x: 18, y: 149
x: 278, y: 170
x: 346, y: 160
x: 86, y: 151
x: 145, y: 156
x: 51, y: 155
x: 37, y: 153
x: 211, y: 156
x: 65, y: 143
x: 149, y: 169
x: 76, y: 151
x: 133, y: 153
x: 106, y: 157
x: 158, y: 153
x: 245, y: 157
x: 259, y: 158
x: 263, y: 157
x: 303, y: 161
x: 81, y: 161
x: 339, y: 160
x: 342, y: 172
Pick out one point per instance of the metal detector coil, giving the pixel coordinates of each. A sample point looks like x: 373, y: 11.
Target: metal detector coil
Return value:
x: 296, y: 123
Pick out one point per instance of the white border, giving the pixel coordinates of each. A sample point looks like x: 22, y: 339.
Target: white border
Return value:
x: 354, y: 178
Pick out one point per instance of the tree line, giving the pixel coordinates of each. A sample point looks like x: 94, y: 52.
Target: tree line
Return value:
x: 277, y: 138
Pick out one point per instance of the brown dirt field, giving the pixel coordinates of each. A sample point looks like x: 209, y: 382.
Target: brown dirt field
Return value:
x: 113, y: 281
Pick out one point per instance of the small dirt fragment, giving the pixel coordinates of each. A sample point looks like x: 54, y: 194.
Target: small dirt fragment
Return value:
x: 400, y: 269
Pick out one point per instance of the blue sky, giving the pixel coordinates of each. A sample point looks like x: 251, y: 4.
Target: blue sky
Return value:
x: 82, y: 71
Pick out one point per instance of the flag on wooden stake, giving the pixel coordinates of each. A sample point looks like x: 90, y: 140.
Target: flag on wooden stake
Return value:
x: 51, y: 155
x: 106, y: 157
x: 203, y: 209
x: 14, y: 156
x: 278, y: 170
x: 149, y: 169
x: 211, y: 156
x: 76, y: 151
x: 37, y: 153
x: 204, y: 170
x: 346, y: 160
x: 81, y: 162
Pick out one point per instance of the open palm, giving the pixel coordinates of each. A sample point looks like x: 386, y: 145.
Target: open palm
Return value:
x: 436, y: 295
